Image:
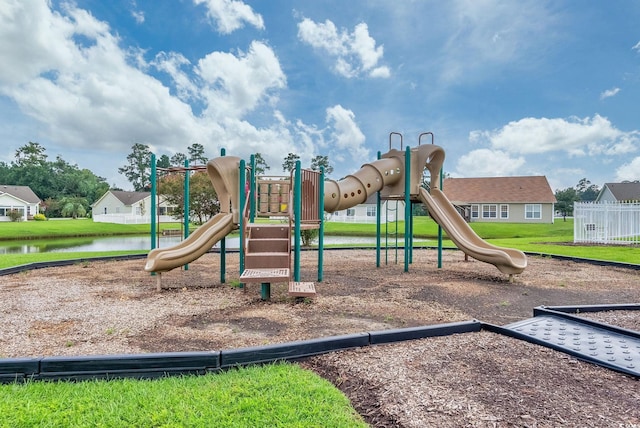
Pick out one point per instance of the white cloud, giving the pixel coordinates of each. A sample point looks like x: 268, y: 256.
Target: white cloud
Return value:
x: 346, y: 134
x: 231, y: 15
x: 636, y: 47
x: 629, y: 171
x: 234, y: 85
x: 138, y: 15
x: 577, y: 137
x: 355, y: 53
x: 609, y: 93
x: 488, y: 163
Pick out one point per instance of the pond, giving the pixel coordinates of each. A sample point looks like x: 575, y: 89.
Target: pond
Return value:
x: 142, y: 243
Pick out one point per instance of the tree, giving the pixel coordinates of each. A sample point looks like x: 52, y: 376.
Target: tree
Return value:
x: 178, y: 159
x: 321, y: 161
x: 73, y: 207
x: 260, y: 164
x: 30, y: 154
x: 196, y: 154
x: 587, y: 191
x: 289, y: 163
x: 565, y: 199
x: 163, y: 162
x: 203, y: 201
x: 138, y: 168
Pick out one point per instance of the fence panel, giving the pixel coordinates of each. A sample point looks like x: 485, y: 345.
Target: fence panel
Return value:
x: 606, y: 222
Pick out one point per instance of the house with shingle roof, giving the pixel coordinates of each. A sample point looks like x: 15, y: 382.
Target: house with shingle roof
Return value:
x: 20, y: 198
x: 502, y: 199
x: 120, y: 206
x: 627, y: 191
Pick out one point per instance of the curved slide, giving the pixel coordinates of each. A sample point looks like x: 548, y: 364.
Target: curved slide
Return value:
x: 508, y: 260
x: 198, y: 243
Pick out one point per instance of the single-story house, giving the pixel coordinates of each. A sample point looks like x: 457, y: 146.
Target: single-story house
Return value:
x: 390, y: 210
x: 502, y: 199
x: 119, y: 206
x: 627, y: 191
x: 20, y: 198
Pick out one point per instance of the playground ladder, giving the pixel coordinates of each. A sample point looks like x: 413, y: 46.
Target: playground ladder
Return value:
x: 268, y: 258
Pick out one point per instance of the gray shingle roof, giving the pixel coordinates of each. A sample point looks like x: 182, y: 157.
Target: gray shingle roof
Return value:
x: 129, y: 198
x: 23, y: 193
x: 626, y: 191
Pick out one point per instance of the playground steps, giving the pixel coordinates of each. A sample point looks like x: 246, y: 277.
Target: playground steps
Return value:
x: 268, y: 247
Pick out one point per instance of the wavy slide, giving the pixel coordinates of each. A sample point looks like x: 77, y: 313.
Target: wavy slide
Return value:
x: 508, y: 260
x: 198, y: 243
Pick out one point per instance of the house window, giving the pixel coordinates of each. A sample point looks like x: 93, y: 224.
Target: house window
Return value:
x: 489, y: 211
x: 504, y: 211
x: 371, y: 211
x: 105, y: 210
x: 475, y: 211
x: 533, y: 211
x: 351, y: 212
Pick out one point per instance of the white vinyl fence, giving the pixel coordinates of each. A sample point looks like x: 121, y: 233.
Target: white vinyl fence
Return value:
x: 606, y: 223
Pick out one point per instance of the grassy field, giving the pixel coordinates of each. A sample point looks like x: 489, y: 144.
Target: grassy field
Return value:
x: 556, y: 238
x: 278, y: 395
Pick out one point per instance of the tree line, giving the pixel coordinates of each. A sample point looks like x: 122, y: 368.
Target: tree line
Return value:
x: 65, y: 189
x: 584, y: 191
x: 203, y: 201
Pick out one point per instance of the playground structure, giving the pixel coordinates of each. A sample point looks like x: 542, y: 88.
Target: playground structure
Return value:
x: 301, y: 199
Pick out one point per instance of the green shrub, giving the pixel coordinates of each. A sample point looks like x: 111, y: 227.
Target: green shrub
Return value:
x: 15, y: 215
x: 39, y: 217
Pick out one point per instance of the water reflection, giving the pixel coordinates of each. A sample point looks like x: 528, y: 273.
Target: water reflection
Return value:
x: 134, y: 243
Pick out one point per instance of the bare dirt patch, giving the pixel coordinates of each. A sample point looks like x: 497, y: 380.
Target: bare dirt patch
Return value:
x: 475, y: 379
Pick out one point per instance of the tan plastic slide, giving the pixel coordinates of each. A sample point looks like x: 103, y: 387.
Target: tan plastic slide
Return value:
x: 508, y: 260
x: 223, y: 173
x: 198, y: 243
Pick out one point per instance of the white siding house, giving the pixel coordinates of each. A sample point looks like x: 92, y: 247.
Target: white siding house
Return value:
x: 628, y: 191
x: 119, y: 206
x: 527, y: 199
x: 366, y: 213
x: 20, y: 198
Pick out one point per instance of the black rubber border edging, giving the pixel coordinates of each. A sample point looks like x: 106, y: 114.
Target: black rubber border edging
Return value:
x: 69, y: 262
x: 148, y: 366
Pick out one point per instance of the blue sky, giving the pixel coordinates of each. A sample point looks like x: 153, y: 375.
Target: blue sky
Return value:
x: 508, y: 87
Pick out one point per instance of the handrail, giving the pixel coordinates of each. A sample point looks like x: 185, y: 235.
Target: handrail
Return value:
x: 395, y: 133
x: 245, y: 223
x: 426, y: 133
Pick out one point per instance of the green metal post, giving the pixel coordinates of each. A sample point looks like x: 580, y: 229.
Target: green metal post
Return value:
x: 265, y: 291
x: 243, y: 177
x: 407, y: 205
x: 223, y: 245
x: 154, y: 195
x: 186, y: 203
x: 378, y: 220
x: 321, y: 218
x: 252, y: 185
x: 297, y: 211
x: 440, y: 233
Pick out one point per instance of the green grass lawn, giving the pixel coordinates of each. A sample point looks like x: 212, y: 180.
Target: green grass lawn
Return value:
x: 277, y: 395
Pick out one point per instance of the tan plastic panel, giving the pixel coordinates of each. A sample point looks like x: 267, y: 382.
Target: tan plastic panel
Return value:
x: 507, y: 260
x: 198, y: 243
